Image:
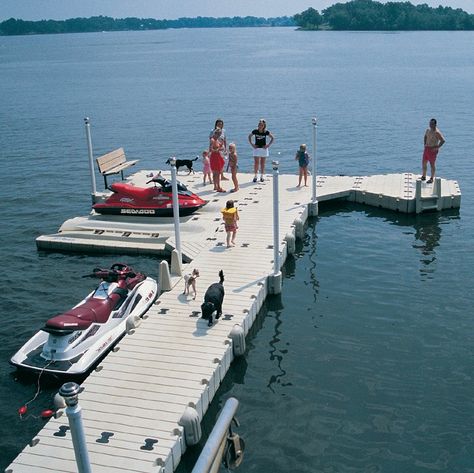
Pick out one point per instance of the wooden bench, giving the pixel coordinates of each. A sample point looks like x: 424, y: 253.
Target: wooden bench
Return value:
x: 113, y: 163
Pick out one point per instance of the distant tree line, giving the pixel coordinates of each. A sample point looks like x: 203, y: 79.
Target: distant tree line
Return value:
x: 369, y: 15
x: 105, y: 23
x: 366, y: 15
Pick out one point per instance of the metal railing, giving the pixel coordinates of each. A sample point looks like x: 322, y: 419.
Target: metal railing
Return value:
x: 223, y: 445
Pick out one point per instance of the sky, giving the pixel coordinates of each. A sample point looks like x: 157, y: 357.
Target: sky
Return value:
x: 171, y: 9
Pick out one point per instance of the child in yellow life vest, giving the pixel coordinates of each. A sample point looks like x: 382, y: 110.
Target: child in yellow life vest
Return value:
x: 230, y: 215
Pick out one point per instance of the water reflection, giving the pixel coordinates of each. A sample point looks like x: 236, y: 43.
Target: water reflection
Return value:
x: 427, y: 235
x: 276, y: 354
x: 427, y: 228
x: 312, y: 244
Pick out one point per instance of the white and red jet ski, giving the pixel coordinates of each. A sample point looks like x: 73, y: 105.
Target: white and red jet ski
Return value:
x: 72, y: 342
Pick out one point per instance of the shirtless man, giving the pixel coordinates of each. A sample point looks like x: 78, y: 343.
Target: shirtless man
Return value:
x: 433, y: 140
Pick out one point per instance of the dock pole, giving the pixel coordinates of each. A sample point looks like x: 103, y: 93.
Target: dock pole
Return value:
x: 174, y: 186
x: 70, y: 393
x: 275, y: 279
x: 91, y: 156
x: 313, y: 206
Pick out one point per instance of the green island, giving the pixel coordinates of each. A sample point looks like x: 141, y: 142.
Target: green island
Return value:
x: 356, y: 15
x: 368, y: 15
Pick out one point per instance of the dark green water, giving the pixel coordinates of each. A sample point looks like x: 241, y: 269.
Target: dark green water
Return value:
x: 364, y: 364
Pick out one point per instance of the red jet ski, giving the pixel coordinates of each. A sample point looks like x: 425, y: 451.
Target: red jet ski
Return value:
x: 156, y: 201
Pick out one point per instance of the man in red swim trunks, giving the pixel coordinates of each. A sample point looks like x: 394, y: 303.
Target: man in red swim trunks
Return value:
x: 433, y: 141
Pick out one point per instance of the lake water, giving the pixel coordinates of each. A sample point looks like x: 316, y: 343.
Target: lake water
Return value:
x: 364, y: 364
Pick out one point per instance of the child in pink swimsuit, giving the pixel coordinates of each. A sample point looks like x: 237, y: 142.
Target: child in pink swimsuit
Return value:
x: 206, y: 166
x: 232, y: 164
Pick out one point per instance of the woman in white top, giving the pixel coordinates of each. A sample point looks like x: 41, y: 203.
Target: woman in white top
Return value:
x: 260, y: 147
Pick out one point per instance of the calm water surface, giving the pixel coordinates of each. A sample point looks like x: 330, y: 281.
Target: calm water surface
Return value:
x: 364, y: 364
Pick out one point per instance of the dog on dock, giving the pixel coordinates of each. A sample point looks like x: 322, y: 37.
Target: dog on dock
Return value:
x: 213, y: 299
x: 190, y: 282
x: 185, y: 162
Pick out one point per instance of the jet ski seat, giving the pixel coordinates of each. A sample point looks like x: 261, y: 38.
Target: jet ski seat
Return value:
x: 83, y: 316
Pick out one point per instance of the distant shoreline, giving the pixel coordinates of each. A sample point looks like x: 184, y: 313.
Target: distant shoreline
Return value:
x: 355, y: 15
x: 98, y: 24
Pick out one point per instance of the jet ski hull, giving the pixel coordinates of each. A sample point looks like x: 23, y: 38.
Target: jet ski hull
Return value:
x: 72, y: 351
x: 156, y: 201
x: 144, y: 212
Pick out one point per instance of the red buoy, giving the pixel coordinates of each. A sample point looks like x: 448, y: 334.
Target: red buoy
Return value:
x: 47, y: 413
x: 22, y: 410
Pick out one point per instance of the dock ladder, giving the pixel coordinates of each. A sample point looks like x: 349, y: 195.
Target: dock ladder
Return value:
x: 425, y: 201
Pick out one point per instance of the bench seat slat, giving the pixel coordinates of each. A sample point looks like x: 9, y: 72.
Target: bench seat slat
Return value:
x: 113, y: 163
x: 110, y: 160
x: 119, y: 168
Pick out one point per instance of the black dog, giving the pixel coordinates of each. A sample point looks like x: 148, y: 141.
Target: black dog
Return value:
x: 213, y: 300
x: 184, y: 162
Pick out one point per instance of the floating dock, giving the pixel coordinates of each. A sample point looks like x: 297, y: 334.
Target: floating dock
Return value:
x: 155, y: 236
x: 133, y: 403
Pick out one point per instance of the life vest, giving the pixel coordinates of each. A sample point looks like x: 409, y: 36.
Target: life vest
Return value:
x: 229, y: 214
x: 303, y: 158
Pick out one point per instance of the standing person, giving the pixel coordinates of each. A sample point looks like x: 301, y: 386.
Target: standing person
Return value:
x: 216, y: 159
x: 303, y: 160
x: 260, y: 147
x: 433, y: 140
x: 206, y: 167
x: 220, y: 124
x: 230, y: 215
x: 232, y: 164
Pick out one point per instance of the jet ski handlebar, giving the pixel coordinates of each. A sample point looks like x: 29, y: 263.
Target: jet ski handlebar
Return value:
x: 166, y: 184
x: 159, y: 179
x: 117, y: 272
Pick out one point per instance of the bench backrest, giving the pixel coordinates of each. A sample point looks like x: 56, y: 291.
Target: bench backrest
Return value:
x: 111, y: 160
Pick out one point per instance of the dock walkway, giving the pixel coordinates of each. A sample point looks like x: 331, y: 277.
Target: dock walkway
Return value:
x: 133, y: 402
x: 143, y: 235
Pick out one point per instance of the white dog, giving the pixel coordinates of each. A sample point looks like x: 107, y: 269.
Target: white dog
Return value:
x: 190, y: 281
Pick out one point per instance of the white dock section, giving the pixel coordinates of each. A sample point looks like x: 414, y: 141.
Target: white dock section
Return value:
x: 151, y: 235
x: 133, y: 402
x: 174, y: 359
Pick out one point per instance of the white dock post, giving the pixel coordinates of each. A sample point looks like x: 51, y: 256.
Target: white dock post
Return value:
x: 437, y: 191
x: 174, y: 186
x: 91, y: 156
x: 192, y: 425
x: 176, y: 266
x: 237, y: 335
x: 164, y: 277
x: 275, y: 279
x: 70, y: 393
x: 313, y: 206
x: 418, y: 208
x: 290, y: 243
